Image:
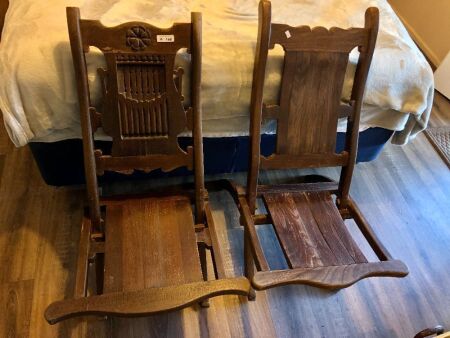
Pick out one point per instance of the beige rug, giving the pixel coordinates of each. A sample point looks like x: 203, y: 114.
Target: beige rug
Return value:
x: 440, y: 139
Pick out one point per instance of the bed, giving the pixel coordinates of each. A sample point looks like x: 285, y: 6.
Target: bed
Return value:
x: 39, y: 102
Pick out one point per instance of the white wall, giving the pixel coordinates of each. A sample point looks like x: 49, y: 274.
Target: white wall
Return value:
x: 429, y: 23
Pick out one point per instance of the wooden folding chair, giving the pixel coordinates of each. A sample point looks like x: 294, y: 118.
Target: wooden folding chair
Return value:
x: 149, y: 251
x: 309, y: 224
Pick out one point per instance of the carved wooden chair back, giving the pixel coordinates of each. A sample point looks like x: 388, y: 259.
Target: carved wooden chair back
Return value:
x: 143, y: 108
x: 315, y: 63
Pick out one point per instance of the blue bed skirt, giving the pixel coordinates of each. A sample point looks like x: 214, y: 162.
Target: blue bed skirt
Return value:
x: 61, y: 163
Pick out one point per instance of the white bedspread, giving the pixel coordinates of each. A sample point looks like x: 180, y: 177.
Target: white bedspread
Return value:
x: 38, y: 94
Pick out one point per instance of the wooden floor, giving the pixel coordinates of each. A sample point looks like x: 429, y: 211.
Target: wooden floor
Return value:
x: 441, y: 111
x: 405, y: 194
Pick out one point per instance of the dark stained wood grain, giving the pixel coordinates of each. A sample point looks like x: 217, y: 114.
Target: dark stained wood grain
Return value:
x: 82, y: 259
x: 217, y: 256
x: 4, y: 4
x: 300, y: 237
x: 150, y: 243
x: 331, y: 224
x: 366, y: 50
x: 431, y: 332
x: 143, y: 107
x: 308, y: 124
x: 16, y: 301
x: 330, y: 277
x: 145, y: 252
x: 309, y: 223
x: 44, y: 222
x: 284, y: 161
x: 256, y: 103
x: 147, y: 301
x: 318, y: 39
x: 144, y: 163
x: 106, y: 38
x: 319, y: 186
x: 196, y: 110
x: 309, y: 104
x: 79, y: 63
x: 40, y: 225
x: 254, y: 245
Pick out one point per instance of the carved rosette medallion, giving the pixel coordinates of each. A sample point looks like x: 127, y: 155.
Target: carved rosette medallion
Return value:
x: 138, y: 38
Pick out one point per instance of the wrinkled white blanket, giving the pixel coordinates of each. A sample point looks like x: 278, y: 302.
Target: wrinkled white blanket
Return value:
x: 38, y: 93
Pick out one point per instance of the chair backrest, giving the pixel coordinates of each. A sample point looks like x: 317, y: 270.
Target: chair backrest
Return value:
x: 143, y: 107
x: 315, y: 63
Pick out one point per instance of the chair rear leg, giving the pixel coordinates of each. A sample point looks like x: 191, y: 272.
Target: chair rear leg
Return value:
x: 99, y: 262
x: 204, y: 266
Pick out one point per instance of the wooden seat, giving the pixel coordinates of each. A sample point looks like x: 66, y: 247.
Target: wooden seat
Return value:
x: 311, y: 230
x: 308, y: 216
x: 149, y: 252
x: 151, y: 261
x: 150, y: 242
x: 317, y: 244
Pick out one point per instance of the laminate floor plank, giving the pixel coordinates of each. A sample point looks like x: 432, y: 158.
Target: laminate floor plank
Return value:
x: 15, y: 306
x: 440, y: 114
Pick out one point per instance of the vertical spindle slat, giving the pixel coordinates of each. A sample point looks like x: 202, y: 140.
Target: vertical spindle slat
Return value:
x: 123, y: 115
x: 136, y: 118
x: 143, y: 103
x: 164, y: 115
x: 157, y: 106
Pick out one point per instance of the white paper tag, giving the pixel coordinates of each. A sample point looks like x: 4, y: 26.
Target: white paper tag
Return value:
x: 288, y: 34
x: 165, y: 38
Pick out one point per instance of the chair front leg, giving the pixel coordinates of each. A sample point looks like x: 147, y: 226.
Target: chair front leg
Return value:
x: 204, y: 266
x: 249, y: 264
x: 99, y: 272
